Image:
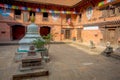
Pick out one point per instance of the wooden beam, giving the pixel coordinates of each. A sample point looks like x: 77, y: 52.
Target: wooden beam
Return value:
x: 113, y: 23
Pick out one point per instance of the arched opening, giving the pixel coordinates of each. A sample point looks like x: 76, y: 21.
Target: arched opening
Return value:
x: 45, y: 30
x: 18, y: 32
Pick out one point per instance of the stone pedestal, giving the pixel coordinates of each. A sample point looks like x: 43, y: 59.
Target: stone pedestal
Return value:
x: 31, y: 61
x: 30, y: 66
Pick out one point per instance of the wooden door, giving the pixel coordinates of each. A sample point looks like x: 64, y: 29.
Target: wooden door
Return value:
x: 79, y: 34
x: 44, y: 31
x: 112, y: 36
x: 67, y: 34
x: 18, y: 32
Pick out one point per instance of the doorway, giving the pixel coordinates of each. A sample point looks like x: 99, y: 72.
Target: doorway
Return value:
x: 67, y: 34
x: 111, y: 36
x: 79, y: 34
x: 18, y: 32
x: 45, y: 30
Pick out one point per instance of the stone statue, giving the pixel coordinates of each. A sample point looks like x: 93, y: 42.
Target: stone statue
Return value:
x: 108, y: 49
x: 92, y: 45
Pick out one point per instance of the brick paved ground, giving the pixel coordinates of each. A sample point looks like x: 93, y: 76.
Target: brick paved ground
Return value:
x: 67, y: 63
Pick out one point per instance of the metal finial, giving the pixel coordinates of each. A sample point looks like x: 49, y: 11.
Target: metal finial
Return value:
x: 32, y: 18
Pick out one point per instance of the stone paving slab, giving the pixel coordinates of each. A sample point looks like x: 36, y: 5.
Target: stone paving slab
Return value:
x: 97, y: 50
x: 67, y: 63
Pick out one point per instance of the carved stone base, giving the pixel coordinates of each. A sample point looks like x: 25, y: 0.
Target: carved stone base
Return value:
x: 30, y: 73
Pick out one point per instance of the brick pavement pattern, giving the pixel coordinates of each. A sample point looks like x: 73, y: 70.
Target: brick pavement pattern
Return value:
x: 67, y: 63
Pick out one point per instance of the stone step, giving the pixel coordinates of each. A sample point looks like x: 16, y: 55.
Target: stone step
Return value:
x: 27, y: 68
x: 29, y: 74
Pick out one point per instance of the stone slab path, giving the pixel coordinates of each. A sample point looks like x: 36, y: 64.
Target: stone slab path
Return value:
x: 67, y: 63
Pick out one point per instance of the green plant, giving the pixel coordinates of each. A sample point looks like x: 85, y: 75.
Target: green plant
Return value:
x: 38, y: 43
x: 47, y: 41
x: 47, y: 38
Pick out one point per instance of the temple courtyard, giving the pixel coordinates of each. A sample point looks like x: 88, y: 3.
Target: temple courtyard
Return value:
x: 66, y: 63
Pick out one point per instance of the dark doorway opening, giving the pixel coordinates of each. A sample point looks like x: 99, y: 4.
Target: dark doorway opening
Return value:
x: 18, y: 32
x: 45, y: 30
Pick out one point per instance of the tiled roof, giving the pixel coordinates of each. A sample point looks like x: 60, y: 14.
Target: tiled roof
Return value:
x: 56, y: 2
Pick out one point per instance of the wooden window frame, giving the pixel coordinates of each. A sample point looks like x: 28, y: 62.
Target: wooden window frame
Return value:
x: 45, y: 18
x: 17, y: 16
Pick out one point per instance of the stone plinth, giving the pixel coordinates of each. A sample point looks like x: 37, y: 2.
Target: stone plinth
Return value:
x: 29, y: 74
x: 30, y: 66
x: 31, y: 61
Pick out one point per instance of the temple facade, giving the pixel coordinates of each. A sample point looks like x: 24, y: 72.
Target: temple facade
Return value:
x: 88, y: 20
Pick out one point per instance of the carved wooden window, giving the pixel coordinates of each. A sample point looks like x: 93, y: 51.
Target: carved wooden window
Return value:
x: 117, y: 11
x: 45, y: 16
x: 105, y: 13
x: 17, y: 14
x: 112, y: 12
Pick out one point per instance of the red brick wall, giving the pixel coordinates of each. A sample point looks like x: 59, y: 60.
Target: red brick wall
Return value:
x: 94, y: 35
x: 4, y: 32
x: 88, y: 35
x: 60, y: 23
